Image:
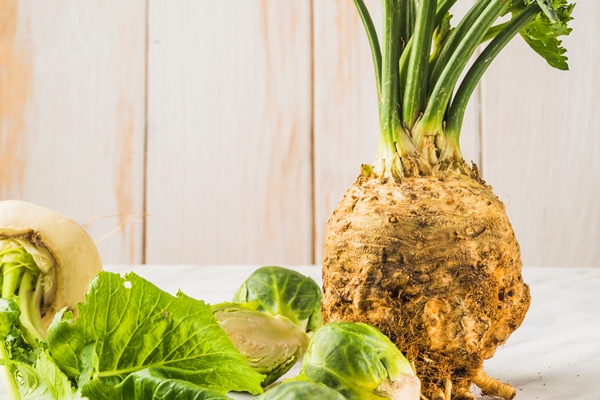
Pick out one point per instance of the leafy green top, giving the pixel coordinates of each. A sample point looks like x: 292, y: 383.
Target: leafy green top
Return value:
x: 131, y: 340
x: 301, y: 390
x: 420, y: 62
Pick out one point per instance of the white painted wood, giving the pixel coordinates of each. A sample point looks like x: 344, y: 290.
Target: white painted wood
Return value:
x: 229, y: 146
x: 72, y: 112
x: 345, y: 106
x: 72, y: 105
x: 346, y: 123
x: 541, y: 148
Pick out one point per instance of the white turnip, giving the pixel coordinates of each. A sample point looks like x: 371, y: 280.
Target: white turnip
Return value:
x: 46, y: 259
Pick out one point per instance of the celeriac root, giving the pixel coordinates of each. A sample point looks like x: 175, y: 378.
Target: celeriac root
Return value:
x: 493, y: 387
x: 431, y: 261
x: 448, y: 388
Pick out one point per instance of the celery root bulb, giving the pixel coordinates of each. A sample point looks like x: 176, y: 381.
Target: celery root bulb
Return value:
x: 70, y: 257
x: 432, y: 261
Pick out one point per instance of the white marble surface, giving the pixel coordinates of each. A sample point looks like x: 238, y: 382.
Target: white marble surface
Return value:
x: 555, y: 355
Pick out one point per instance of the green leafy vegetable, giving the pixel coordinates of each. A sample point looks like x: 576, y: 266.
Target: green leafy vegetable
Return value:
x: 542, y: 33
x: 281, y: 291
x: 151, y: 384
x: 27, y: 272
x: 9, y: 317
x: 127, y: 325
x: 270, y: 344
x: 10, y: 343
x: 46, y: 381
x: 301, y: 390
x: 360, y: 362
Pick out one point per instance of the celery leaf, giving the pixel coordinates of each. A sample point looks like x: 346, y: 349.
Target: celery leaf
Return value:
x: 542, y: 33
x: 46, y: 381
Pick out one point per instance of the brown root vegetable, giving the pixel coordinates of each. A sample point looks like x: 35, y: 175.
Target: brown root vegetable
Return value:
x: 420, y: 247
x: 47, y: 255
x: 434, y: 264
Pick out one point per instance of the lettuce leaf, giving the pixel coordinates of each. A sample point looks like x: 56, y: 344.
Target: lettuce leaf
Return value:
x: 46, y: 381
x: 151, y: 384
x: 9, y: 319
x: 129, y: 333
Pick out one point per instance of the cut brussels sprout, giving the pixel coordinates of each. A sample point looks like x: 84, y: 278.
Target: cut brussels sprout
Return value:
x: 360, y: 362
x: 281, y: 291
x: 298, y: 390
x: 270, y: 344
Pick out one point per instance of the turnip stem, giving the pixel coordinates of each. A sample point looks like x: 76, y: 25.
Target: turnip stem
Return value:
x: 9, y: 380
x: 12, y: 278
x: 33, y: 326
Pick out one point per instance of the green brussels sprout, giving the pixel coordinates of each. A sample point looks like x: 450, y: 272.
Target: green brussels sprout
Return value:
x: 300, y: 390
x: 281, y: 291
x: 270, y: 344
x: 360, y: 362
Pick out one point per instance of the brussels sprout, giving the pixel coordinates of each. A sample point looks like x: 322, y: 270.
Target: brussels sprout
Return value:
x: 270, y: 344
x: 298, y: 390
x: 360, y: 362
x: 281, y: 291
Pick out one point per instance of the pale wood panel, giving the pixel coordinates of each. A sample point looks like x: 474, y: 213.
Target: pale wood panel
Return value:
x: 229, y: 172
x: 542, y: 146
x: 72, y: 112
x: 346, y: 130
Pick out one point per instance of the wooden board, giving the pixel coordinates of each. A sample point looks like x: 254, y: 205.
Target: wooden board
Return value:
x: 259, y: 115
x: 229, y: 134
x: 346, y: 131
x: 72, y: 113
x: 541, y: 146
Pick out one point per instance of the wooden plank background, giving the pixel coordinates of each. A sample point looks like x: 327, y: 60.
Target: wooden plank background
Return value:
x: 72, y: 122
x: 236, y: 126
x: 229, y: 132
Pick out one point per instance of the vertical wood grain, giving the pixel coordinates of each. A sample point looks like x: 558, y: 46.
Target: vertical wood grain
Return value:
x: 249, y: 100
x: 15, y: 90
x: 229, y: 174
x: 346, y: 122
x: 72, y: 112
x: 541, y: 147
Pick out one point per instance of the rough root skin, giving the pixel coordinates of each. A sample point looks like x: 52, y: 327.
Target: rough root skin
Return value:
x: 433, y: 262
